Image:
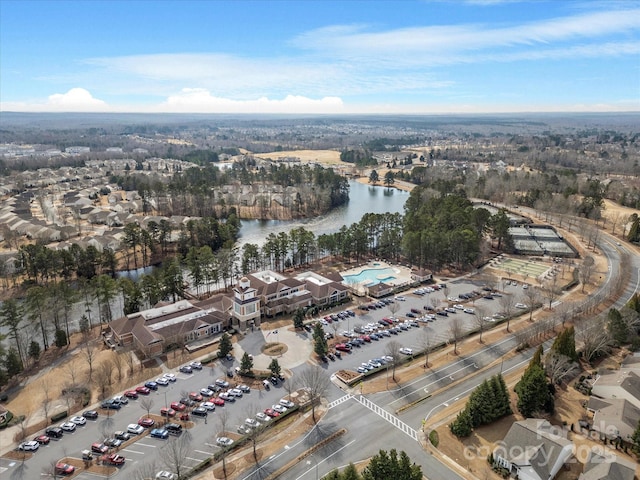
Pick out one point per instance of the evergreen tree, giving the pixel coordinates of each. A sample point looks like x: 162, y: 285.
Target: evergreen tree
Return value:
x: 385, y: 466
x: 224, y: 347
x: 320, y: 346
x: 565, y: 344
x: 635, y: 440
x: 274, y: 367
x: 13, y: 365
x: 298, y: 318
x: 350, y: 473
x: 61, y: 338
x: 246, y: 364
x: 618, y: 328
x: 34, y: 350
x: 462, y: 425
x: 534, y: 392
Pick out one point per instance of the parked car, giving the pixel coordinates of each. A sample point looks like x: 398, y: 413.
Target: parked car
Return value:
x: 263, y: 417
x: 271, y: 412
x: 218, y: 401
x: 210, y: 406
x: 99, y: 448
x: 206, y: 392
x: 151, y: 385
x: 243, y: 429
x: 113, y: 442
x: 178, y: 406
x: 131, y: 394
x: 162, y: 381
x: 164, y: 475
x: 196, y: 365
x: 54, y: 432
x: 90, y: 414
x: 236, y: 392
x: 279, y: 408
x: 68, y: 426
x: 186, y: 369
x: 173, y: 428
x: 199, y: 412
x: 111, y: 405
x: 224, y: 441
x: 78, y: 420
x: 167, y: 412
x: 222, y: 383
x: 406, y: 351
x: 195, y: 396
x: 42, y: 439
x: 146, y: 422
x: 244, y: 388
x: 252, y: 422
x: 64, y: 469
x: 170, y: 376
x: 124, y: 436
x: 159, y: 433
x: 287, y: 403
x: 135, y: 429
x: 30, y: 446
x: 113, y: 459
x: 142, y: 390
x: 121, y: 399
x: 521, y: 305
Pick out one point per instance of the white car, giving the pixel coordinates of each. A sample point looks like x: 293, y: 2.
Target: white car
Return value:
x: 457, y: 306
x: 406, y: 351
x: 31, y: 446
x: 121, y: 399
x: 224, y: 441
x: 400, y: 299
x: 236, y: 392
x: 135, y: 428
x: 164, y: 382
x: 208, y: 405
x: 78, y: 420
x: 470, y: 311
x: 252, y: 422
x: 521, y: 305
x: 287, y: 403
x: 164, y: 475
x: 170, y: 376
x: 68, y: 426
x: 205, y: 392
x: 263, y: 417
x: 279, y: 408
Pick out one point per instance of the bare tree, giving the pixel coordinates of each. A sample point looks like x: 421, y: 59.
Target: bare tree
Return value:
x: 507, y: 304
x: 586, y: 271
x: 481, y: 321
x: 145, y: 470
x: 425, y: 343
x: 255, y: 431
x: 223, y: 421
x: 316, y: 382
x: 71, y: 370
x: 393, y: 350
x: 550, y: 291
x: 559, y: 367
x: 616, y: 218
x: 393, y: 308
x: 89, y: 352
x: 445, y: 292
x: 175, y: 453
x: 131, y: 362
x: 532, y: 294
x: 595, y: 338
x: 45, y: 388
x: 118, y: 363
x: 104, y: 378
x: 455, y: 333
x: 146, y: 403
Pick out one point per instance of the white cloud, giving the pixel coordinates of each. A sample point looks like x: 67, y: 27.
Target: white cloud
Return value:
x: 199, y: 100
x: 76, y: 99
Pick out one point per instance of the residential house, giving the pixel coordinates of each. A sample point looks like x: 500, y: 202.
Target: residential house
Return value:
x: 533, y: 449
x: 623, y: 383
x: 605, y: 465
x: 614, y: 418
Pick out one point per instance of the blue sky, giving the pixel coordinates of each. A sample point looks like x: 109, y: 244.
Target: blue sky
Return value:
x: 320, y: 56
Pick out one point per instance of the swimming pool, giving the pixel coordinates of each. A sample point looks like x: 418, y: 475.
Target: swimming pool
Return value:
x: 371, y: 276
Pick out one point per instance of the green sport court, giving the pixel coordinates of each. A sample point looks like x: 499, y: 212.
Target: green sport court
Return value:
x: 523, y: 267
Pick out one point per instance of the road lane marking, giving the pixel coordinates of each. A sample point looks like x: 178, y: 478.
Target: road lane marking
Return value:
x: 132, y: 451
x: 146, y: 445
x: 389, y: 417
x: 202, y: 451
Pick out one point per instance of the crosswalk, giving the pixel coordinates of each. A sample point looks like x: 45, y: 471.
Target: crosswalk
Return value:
x: 389, y: 417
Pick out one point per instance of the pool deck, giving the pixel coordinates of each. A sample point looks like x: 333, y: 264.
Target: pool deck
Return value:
x: 402, y: 274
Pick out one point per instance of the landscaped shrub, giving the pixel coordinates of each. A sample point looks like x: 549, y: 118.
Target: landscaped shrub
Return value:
x: 59, y: 416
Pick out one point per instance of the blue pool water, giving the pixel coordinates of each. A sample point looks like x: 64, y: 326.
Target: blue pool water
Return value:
x: 372, y: 276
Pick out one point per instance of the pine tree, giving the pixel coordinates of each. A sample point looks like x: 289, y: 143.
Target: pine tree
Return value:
x: 462, y: 426
x: 320, y: 346
x: 246, y: 364
x: 385, y: 466
x: 224, y: 347
x: 274, y: 367
x: 533, y: 391
x: 565, y: 344
x: 618, y: 328
x: 350, y: 473
x: 298, y: 318
x: 12, y: 362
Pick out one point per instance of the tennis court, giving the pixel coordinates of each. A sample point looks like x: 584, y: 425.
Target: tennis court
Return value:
x: 523, y: 267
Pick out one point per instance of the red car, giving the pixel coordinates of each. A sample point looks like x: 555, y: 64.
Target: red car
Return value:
x: 271, y: 412
x: 146, y: 422
x: 99, y: 448
x: 64, y: 469
x: 42, y: 439
x: 195, y: 396
x: 131, y: 394
x: 167, y: 412
x: 143, y: 390
x: 218, y: 401
x: 177, y: 406
x: 113, y: 459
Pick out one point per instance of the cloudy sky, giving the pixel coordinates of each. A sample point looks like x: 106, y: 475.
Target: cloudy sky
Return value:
x: 429, y: 56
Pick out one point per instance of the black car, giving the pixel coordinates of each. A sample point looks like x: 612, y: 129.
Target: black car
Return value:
x: 173, y: 428
x: 111, y: 405
x: 151, y: 385
x: 199, y: 412
x: 442, y: 313
x: 90, y: 414
x: 187, y: 401
x: 54, y: 432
